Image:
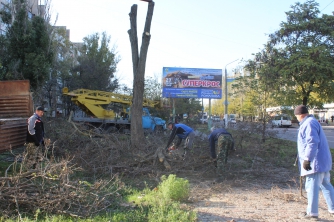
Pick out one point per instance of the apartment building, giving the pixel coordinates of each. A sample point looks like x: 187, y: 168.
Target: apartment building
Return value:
x: 3, y: 27
x: 33, y: 9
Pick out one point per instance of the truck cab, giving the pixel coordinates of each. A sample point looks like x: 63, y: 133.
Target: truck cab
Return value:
x: 150, y: 123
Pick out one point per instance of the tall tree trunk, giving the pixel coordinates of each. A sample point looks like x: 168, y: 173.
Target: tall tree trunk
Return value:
x: 139, y: 63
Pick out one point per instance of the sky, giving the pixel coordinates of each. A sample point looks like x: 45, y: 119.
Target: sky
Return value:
x: 184, y: 33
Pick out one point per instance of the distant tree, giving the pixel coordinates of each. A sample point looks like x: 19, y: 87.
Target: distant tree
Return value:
x: 187, y: 105
x: 304, y: 56
x: 218, y: 107
x: 263, y: 81
x: 26, y: 45
x: 152, y: 88
x: 124, y: 89
x: 60, y: 71
x: 246, y: 87
x: 97, y: 64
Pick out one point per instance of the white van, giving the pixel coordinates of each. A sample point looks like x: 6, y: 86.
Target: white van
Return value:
x: 281, y: 121
x: 232, y: 118
x: 204, y: 119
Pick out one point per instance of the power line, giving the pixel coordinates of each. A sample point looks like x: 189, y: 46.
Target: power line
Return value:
x: 327, y: 6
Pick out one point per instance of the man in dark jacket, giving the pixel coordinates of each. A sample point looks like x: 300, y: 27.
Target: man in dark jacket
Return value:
x: 35, y: 136
x: 225, y: 143
x: 183, y: 132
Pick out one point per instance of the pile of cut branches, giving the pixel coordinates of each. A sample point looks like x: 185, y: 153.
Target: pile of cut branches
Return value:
x: 52, y: 188
x: 100, y: 154
x: 106, y: 154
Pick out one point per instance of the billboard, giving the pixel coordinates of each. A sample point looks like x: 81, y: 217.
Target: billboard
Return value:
x: 191, y: 83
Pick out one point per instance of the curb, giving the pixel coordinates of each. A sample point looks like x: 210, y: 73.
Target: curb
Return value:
x: 324, y: 126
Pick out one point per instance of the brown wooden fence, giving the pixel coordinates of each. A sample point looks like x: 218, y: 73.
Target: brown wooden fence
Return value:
x: 16, y: 107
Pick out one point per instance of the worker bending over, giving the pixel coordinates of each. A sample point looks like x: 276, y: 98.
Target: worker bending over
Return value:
x: 219, y: 152
x: 183, y: 132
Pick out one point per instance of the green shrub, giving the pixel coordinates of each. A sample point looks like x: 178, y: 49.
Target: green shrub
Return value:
x: 170, y: 212
x: 163, y: 202
x: 174, y: 188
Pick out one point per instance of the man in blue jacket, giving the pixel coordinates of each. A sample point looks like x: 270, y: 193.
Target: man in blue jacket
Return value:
x: 183, y: 132
x: 315, y: 162
x: 224, y: 141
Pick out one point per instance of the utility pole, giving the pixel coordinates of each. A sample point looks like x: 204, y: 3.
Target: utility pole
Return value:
x: 226, y: 102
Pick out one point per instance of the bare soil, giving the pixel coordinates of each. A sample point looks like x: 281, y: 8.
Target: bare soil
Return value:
x: 262, y: 193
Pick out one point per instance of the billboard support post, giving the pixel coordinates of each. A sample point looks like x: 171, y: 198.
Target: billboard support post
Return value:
x: 202, y: 112
x: 173, y: 110
x: 210, y: 119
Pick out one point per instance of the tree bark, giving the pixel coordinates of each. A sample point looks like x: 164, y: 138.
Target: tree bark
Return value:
x: 139, y: 63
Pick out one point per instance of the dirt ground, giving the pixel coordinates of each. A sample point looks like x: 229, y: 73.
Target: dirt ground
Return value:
x: 263, y: 193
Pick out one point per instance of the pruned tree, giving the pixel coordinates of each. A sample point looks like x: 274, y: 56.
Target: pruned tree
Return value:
x: 139, y: 64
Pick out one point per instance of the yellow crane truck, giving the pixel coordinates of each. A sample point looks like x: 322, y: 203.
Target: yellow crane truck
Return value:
x: 110, y: 112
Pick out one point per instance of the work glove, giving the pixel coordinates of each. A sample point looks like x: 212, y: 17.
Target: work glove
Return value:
x: 307, y: 165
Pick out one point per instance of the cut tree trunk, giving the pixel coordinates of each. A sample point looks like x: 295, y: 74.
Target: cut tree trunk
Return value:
x: 139, y: 63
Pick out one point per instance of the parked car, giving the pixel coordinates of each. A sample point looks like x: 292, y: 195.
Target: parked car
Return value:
x: 232, y: 118
x: 281, y: 121
x: 216, y: 118
x: 204, y: 119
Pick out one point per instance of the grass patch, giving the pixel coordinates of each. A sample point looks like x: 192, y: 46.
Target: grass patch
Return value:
x: 6, y: 159
x: 281, y: 152
x: 3, y: 167
x: 164, y: 200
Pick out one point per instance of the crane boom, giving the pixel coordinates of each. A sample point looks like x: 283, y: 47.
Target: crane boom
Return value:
x: 94, y: 102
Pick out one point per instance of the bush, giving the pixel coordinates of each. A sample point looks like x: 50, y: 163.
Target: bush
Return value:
x: 163, y: 201
x: 171, y: 212
x: 174, y: 188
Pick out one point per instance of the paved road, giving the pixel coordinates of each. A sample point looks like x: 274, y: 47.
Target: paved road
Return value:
x: 291, y: 133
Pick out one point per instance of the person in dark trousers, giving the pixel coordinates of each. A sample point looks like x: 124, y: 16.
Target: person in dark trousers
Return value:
x: 332, y: 118
x: 220, y: 142
x: 183, y: 132
x: 315, y: 162
x: 35, y: 137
